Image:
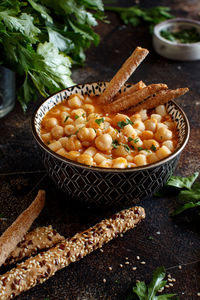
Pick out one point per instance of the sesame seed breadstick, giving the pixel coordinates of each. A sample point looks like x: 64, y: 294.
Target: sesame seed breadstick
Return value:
x: 39, y: 268
x: 135, y: 87
x: 126, y: 102
x: 37, y: 239
x: 159, y: 98
x: 14, y: 234
x: 123, y: 74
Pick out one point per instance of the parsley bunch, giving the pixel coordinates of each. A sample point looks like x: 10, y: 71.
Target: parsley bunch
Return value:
x: 40, y: 40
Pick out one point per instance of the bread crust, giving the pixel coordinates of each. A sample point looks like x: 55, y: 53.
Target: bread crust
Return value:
x: 44, y: 265
x: 15, y: 233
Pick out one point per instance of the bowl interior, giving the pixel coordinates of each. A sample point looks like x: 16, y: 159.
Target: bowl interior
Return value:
x: 176, y: 25
x: 94, y: 89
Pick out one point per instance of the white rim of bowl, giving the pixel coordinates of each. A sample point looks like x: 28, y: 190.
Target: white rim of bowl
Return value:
x: 177, y: 151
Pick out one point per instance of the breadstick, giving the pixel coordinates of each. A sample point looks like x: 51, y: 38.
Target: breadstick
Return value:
x: 159, y: 98
x: 39, y: 268
x: 138, y: 86
x: 123, y: 74
x: 37, y: 239
x: 133, y: 99
x: 14, y: 234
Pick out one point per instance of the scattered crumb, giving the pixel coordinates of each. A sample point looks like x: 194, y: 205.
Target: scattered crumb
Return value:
x: 134, y: 268
x: 121, y: 266
x: 127, y: 263
x: 110, y: 268
x: 179, y: 67
x: 198, y: 294
x: 143, y: 262
x: 138, y: 258
x: 104, y: 280
x: 180, y: 267
x: 126, y: 258
x: 158, y: 232
x: 101, y: 250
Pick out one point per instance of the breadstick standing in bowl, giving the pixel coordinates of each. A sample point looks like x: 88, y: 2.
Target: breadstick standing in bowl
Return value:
x: 37, y: 239
x: 14, y: 234
x: 123, y: 74
x: 135, y: 87
x: 44, y: 265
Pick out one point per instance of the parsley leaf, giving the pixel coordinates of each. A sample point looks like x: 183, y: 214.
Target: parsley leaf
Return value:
x: 149, y: 292
x: 76, y: 117
x: 126, y: 147
x: 122, y: 124
x: 115, y: 143
x: 136, y: 140
x: 153, y: 147
x: 65, y: 120
x: 140, y: 148
x: 182, y: 182
x: 99, y: 121
x: 130, y: 139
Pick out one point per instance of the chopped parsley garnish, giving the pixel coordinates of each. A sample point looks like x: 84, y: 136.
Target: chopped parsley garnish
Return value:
x: 65, y: 120
x: 126, y: 147
x: 99, y: 121
x: 140, y: 148
x: 130, y: 139
x: 122, y: 124
x: 83, y: 115
x: 136, y: 140
x: 115, y: 143
x: 76, y: 117
x: 132, y: 147
x: 77, y: 131
x: 147, y: 150
x: 153, y: 147
x: 48, y: 143
x: 150, y: 238
x: 183, y: 36
x: 161, y: 137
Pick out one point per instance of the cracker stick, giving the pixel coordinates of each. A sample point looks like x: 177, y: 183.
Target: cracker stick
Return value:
x: 14, y: 234
x: 123, y: 74
x: 135, y: 87
x: 39, y: 268
x: 159, y: 98
x: 133, y: 99
x: 37, y: 239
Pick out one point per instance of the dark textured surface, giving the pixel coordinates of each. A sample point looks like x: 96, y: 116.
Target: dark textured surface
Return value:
x: 175, y: 241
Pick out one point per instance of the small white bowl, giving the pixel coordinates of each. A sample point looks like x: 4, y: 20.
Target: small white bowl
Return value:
x: 175, y: 50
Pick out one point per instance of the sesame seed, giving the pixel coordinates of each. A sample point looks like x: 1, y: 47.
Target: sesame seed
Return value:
x: 127, y: 263
x: 121, y: 266
x: 158, y: 232
x: 167, y: 286
x: 143, y: 262
x: 126, y: 258
x: 198, y: 294
x: 171, y: 284
x: 137, y: 257
x: 101, y: 250
x: 173, y: 279
x: 134, y: 268
x: 110, y: 268
x: 180, y: 267
x: 121, y: 235
x: 169, y: 276
x: 104, y: 280
x: 170, y: 280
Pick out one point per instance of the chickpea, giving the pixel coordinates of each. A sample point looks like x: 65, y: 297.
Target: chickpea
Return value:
x: 139, y: 125
x: 91, y: 151
x: 157, y: 117
x: 119, y: 162
x: 65, y: 108
x: 89, y: 108
x: 75, y: 102
x: 99, y: 158
x: 122, y: 138
x: 129, y: 131
x: 135, y: 117
x: 46, y: 137
x: 150, y: 124
x: 169, y: 145
x: 85, y: 159
x: 163, y: 152
x: 113, y: 133
x: 152, y: 158
x: 55, y: 146
x: 93, y: 116
x: 140, y: 160
x: 78, y: 112
x: 62, y: 152
x: 79, y: 121
x: 119, y: 118
x: 151, y: 144
x: 72, y: 155
x: 70, y: 129
x: 73, y: 143
x: 103, y: 142
x: 93, y: 124
x: 131, y: 165
x: 50, y: 123
x: 57, y: 132
x: 79, y: 126
x: 130, y: 158
x: 65, y: 118
x: 86, y: 144
x: 86, y: 134
x: 63, y: 141
x: 161, y: 110
x: 55, y: 112
x: 119, y: 151
x: 163, y: 134
x: 107, y: 163
x: 143, y: 114
x: 147, y: 134
x: 137, y: 142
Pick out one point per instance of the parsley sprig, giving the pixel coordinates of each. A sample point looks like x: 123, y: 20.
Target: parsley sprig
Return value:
x: 149, y: 292
x: 122, y: 124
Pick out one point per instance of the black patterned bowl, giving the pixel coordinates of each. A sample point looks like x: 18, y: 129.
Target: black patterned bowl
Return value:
x: 102, y: 186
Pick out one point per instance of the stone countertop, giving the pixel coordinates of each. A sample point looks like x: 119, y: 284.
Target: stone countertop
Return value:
x: 176, y: 241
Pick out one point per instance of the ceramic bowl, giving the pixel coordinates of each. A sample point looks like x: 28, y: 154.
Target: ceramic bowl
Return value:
x: 175, y: 50
x: 102, y: 186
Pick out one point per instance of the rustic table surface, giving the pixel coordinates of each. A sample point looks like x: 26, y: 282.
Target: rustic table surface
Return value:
x: 176, y: 241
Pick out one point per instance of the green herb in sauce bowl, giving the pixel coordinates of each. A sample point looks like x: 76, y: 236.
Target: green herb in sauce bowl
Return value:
x: 183, y: 36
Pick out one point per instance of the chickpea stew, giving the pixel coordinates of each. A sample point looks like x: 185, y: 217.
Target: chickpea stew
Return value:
x: 80, y: 130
